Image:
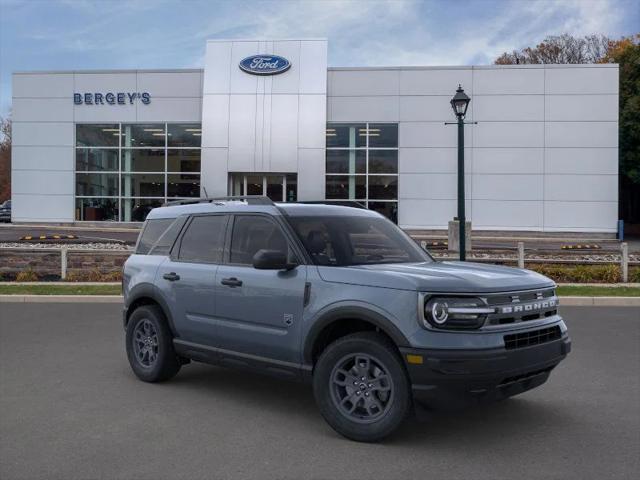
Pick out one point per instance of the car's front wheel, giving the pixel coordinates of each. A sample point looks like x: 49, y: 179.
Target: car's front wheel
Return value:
x: 361, y: 387
x: 150, y: 345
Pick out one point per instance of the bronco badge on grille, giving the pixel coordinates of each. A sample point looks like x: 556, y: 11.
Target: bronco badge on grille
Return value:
x: 529, y: 307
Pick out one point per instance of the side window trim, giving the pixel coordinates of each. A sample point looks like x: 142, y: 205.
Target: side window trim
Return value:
x: 226, y: 257
x: 175, y: 250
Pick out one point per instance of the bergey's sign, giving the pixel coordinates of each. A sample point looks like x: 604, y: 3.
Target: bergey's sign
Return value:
x: 109, y: 98
x: 265, y: 64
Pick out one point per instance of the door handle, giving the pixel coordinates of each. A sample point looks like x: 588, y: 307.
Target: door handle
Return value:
x: 231, y: 282
x: 172, y: 277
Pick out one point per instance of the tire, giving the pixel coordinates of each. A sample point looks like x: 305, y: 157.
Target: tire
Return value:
x: 383, y: 402
x: 151, y: 356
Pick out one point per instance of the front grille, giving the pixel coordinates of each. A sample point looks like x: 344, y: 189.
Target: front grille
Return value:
x: 534, y: 337
x: 522, y: 306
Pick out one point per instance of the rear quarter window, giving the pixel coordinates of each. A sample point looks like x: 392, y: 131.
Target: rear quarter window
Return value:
x: 151, y: 233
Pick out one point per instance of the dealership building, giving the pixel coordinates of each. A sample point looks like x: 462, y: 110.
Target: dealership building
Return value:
x: 271, y: 118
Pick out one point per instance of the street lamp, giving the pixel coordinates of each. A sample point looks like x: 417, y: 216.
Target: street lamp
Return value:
x: 460, y: 103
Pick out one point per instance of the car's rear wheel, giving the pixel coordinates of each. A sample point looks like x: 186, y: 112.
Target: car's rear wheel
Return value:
x: 361, y: 387
x: 150, y: 346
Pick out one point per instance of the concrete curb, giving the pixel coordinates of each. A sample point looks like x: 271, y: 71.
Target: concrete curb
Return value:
x: 599, y: 302
x: 564, y: 301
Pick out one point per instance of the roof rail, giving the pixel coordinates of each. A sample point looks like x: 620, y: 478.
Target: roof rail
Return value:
x: 249, y: 199
x: 342, y: 203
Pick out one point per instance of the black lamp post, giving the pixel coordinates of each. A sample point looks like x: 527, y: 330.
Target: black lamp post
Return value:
x: 460, y: 103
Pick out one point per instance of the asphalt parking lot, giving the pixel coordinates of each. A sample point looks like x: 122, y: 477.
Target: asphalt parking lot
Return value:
x: 70, y: 408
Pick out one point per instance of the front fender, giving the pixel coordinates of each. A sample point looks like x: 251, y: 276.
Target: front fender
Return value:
x: 335, y: 312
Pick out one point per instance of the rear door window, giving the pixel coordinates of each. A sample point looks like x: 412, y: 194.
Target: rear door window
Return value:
x: 203, y: 240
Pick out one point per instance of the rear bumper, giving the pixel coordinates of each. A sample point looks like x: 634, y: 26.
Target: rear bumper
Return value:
x: 457, y: 378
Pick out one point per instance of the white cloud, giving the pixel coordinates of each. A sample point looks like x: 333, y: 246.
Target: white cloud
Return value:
x: 406, y: 32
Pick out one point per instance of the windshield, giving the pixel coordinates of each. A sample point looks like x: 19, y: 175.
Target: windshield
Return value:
x: 356, y: 240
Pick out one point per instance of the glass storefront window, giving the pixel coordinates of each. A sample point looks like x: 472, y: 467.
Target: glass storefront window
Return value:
x: 291, y: 188
x: 184, y: 135
x: 346, y: 161
x: 96, y: 185
x: 183, y: 161
x: 383, y: 187
x: 144, y: 135
x: 278, y: 187
x: 388, y: 209
x: 143, y: 185
x: 96, y: 209
x: 124, y: 170
x: 346, y: 187
x: 98, y: 135
x: 143, y: 160
x: 383, y: 161
x: 96, y: 160
x: 346, y: 135
x: 137, y: 209
x: 275, y: 187
x: 367, y: 156
x: 383, y: 135
x: 179, y: 185
x: 254, y: 185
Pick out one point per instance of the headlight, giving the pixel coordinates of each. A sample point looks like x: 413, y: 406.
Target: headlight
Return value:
x: 455, y: 312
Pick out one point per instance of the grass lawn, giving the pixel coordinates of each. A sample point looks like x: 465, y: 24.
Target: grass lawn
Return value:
x: 598, y: 291
x: 53, y: 289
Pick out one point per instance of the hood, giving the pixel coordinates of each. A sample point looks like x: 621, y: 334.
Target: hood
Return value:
x: 453, y: 277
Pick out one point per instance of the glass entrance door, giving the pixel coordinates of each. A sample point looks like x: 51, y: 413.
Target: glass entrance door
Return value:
x: 278, y: 187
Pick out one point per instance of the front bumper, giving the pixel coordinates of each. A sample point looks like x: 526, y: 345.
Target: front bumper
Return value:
x: 449, y: 379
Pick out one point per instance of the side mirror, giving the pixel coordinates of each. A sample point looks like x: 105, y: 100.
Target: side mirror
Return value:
x: 271, y: 260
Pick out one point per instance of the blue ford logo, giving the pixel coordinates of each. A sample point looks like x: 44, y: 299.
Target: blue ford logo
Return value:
x: 265, y: 64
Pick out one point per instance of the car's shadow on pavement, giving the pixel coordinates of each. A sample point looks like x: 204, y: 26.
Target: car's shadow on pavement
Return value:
x: 493, y: 424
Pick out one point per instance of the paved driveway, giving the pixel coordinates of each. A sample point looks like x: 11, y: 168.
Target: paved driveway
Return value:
x: 70, y: 408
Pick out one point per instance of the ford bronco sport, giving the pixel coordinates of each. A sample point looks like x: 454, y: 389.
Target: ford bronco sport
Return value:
x: 338, y: 296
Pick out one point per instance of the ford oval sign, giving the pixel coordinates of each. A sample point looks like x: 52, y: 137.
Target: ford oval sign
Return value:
x: 265, y: 64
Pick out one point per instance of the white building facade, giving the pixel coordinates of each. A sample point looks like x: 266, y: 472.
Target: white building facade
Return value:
x: 110, y: 145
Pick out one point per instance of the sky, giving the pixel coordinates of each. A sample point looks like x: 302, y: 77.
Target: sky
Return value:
x: 109, y: 34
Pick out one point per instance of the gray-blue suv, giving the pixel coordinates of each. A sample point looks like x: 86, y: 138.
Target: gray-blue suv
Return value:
x: 340, y: 297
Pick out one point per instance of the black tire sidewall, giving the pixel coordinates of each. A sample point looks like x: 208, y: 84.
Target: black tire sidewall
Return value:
x: 378, y: 347
x: 167, y: 363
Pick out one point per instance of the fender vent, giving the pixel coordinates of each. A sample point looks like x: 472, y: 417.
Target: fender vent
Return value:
x: 534, y: 337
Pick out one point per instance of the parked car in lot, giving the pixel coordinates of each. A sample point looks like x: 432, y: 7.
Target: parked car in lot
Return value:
x: 5, y: 211
x: 338, y: 296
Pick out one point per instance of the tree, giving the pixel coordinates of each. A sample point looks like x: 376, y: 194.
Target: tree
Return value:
x: 626, y: 53
x: 5, y: 159
x: 600, y: 49
x: 560, y: 49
